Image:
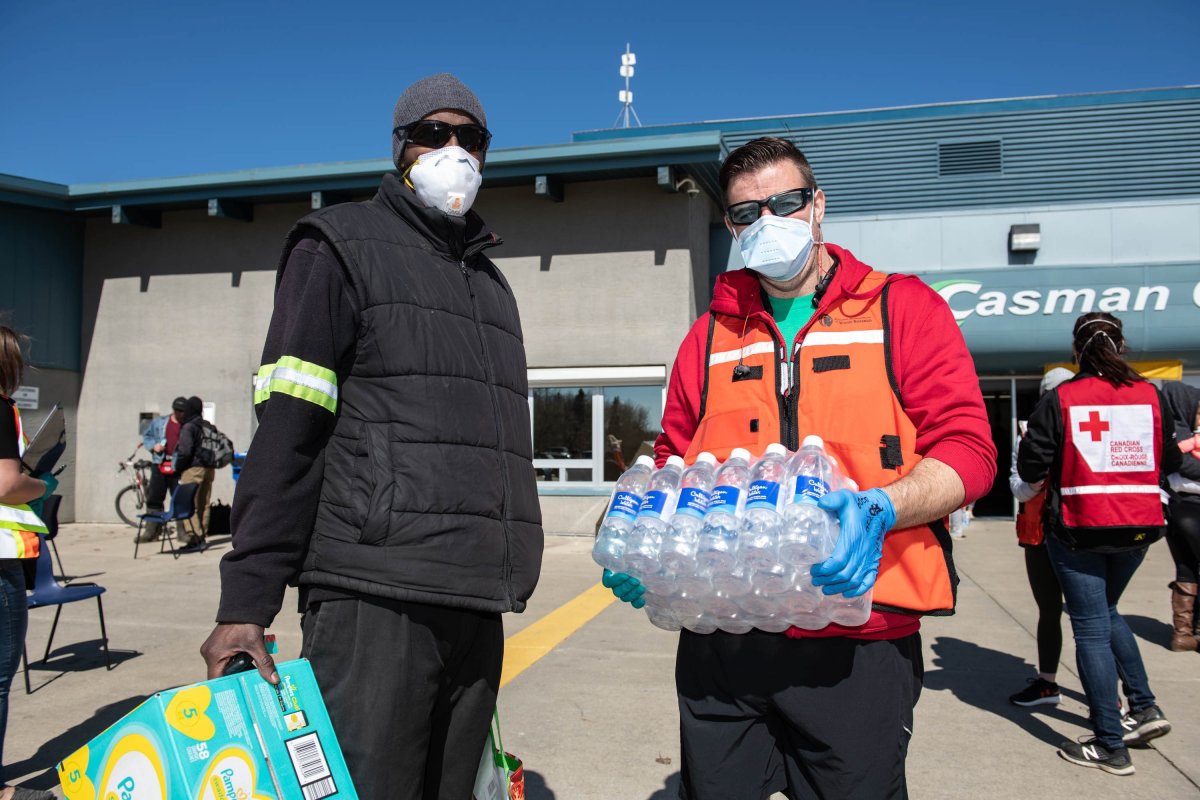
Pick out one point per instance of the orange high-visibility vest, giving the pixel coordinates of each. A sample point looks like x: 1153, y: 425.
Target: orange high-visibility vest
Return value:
x: 840, y: 387
x: 19, y: 526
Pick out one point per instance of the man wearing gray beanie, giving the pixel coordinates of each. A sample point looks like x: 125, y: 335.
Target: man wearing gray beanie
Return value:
x: 391, y: 476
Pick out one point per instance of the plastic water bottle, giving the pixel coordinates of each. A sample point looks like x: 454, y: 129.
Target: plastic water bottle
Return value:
x: 678, y: 553
x: 758, y: 540
x: 645, y: 542
x: 716, y: 549
x: 659, y: 612
x: 609, y: 550
x: 807, y: 535
x: 848, y: 611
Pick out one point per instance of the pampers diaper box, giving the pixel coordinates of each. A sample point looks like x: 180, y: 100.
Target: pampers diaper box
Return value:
x: 231, y: 738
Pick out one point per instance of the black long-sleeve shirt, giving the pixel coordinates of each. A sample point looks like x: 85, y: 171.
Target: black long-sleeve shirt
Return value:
x: 313, y: 328
x: 1182, y: 400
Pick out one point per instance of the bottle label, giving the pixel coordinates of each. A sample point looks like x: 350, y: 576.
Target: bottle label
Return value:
x: 654, y: 504
x: 625, y: 505
x: 810, y: 489
x: 763, y: 494
x: 693, y: 502
x: 725, y: 498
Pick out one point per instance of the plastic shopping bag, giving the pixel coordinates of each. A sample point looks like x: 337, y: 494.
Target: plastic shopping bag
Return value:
x: 501, y: 775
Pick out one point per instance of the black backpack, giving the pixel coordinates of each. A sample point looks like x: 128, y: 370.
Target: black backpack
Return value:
x: 216, y: 449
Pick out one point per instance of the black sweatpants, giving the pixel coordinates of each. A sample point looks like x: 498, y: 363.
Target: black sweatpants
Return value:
x: 812, y: 718
x: 410, y: 689
x: 160, y: 486
x: 1049, y: 598
x: 1183, y: 537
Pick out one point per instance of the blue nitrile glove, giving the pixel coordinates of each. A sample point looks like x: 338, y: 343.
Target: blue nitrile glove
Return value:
x: 627, y: 588
x: 36, y: 504
x: 864, y: 517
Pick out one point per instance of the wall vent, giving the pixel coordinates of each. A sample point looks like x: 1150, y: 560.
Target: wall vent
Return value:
x: 969, y: 158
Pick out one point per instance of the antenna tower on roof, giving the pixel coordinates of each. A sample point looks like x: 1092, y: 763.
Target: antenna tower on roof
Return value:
x: 628, y: 59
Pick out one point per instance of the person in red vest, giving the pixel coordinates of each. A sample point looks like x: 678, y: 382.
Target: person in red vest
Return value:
x: 1105, y: 447
x: 809, y: 340
x: 1042, y: 690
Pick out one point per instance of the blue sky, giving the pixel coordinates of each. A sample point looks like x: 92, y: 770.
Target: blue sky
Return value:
x: 119, y: 90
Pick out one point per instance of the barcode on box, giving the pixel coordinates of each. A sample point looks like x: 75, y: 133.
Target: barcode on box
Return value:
x: 322, y: 788
x: 312, y: 770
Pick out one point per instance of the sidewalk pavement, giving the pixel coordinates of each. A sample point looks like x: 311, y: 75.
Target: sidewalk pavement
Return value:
x: 596, y: 716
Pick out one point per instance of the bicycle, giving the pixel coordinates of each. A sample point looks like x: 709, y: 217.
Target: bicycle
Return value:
x: 131, y: 500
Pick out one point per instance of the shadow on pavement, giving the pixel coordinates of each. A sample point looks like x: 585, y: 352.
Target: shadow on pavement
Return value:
x: 536, y: 788
x: 82, y: 656
x: 984, y: 678
x: 1153, y: 631
x: 670, y: 790
x: 61, y: 746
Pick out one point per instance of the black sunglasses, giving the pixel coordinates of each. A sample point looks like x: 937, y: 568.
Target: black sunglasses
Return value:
x: 783, y: 204
x: 435, y: 133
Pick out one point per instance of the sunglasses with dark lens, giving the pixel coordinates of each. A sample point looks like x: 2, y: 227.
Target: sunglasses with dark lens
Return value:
x: 783, y: 204
x: 435, y: 133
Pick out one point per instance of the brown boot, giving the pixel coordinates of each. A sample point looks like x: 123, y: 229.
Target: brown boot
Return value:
x: 1183, y: 609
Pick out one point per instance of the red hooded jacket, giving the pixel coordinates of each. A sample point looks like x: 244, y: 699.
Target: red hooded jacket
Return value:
x: 932, y: 368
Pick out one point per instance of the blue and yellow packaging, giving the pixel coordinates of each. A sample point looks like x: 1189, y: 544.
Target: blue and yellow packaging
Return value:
x: 231, y: 738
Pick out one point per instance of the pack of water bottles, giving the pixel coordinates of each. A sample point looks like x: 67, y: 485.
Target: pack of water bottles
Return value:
x: 729, y: 546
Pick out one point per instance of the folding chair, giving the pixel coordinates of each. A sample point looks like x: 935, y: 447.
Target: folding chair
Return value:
x: 183, y: 508
x: 50, y: 517
x: 49, y: 592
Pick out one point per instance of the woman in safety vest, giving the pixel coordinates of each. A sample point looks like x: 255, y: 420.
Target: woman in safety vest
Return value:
x: 21, y: 499
x: 1042, y: 690
x: 1104, y: 446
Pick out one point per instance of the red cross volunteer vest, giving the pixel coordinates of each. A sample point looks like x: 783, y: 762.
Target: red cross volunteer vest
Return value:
x: 1111, y: 455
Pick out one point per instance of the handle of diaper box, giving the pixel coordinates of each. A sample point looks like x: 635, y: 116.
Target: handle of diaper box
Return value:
x: 239, y: 663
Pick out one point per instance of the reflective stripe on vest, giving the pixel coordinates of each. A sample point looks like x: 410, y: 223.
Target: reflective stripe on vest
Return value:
x: 19, y: 526
x: 1110, y: 461
x: 846, y: 396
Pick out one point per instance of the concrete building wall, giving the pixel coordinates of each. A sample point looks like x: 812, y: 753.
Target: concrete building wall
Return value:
x: 60, y: 386
x: 607, y: 278
x: 180, y: 310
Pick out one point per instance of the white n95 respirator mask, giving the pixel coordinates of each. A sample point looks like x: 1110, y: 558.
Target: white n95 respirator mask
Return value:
x: 447, y: 179
x: 776, y: 247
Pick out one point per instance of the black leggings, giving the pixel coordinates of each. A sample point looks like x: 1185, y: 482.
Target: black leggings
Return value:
x: 1183, y: 537
x: 1048, y: 596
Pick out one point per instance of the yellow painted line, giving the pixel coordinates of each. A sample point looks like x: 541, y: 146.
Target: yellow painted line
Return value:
x: 523, y: 649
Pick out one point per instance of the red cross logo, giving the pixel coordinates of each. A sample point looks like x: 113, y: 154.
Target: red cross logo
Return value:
x: 1094, y: 425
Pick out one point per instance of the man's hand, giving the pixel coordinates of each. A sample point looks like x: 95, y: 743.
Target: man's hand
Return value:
x: 158, y: 447
x: 864, y: 517
x: 627, y: 588
x: 230, y: 638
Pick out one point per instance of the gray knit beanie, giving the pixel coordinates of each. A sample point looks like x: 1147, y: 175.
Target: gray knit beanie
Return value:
x: 435, y: 93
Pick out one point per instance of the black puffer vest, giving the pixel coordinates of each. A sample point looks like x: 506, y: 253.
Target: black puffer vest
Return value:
x: 429, y: 492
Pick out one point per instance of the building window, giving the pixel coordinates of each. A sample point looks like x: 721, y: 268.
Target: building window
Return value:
x: 589, y: 424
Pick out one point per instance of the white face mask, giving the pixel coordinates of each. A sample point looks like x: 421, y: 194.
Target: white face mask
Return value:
x: 776, y: 247
x: 446, y: 179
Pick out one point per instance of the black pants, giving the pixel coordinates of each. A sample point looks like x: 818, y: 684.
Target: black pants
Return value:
x: 812, y: 718
x: 1049, y: 598
x: 160, y: 486
x: 1183, y: 537
x: 410, y: 690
